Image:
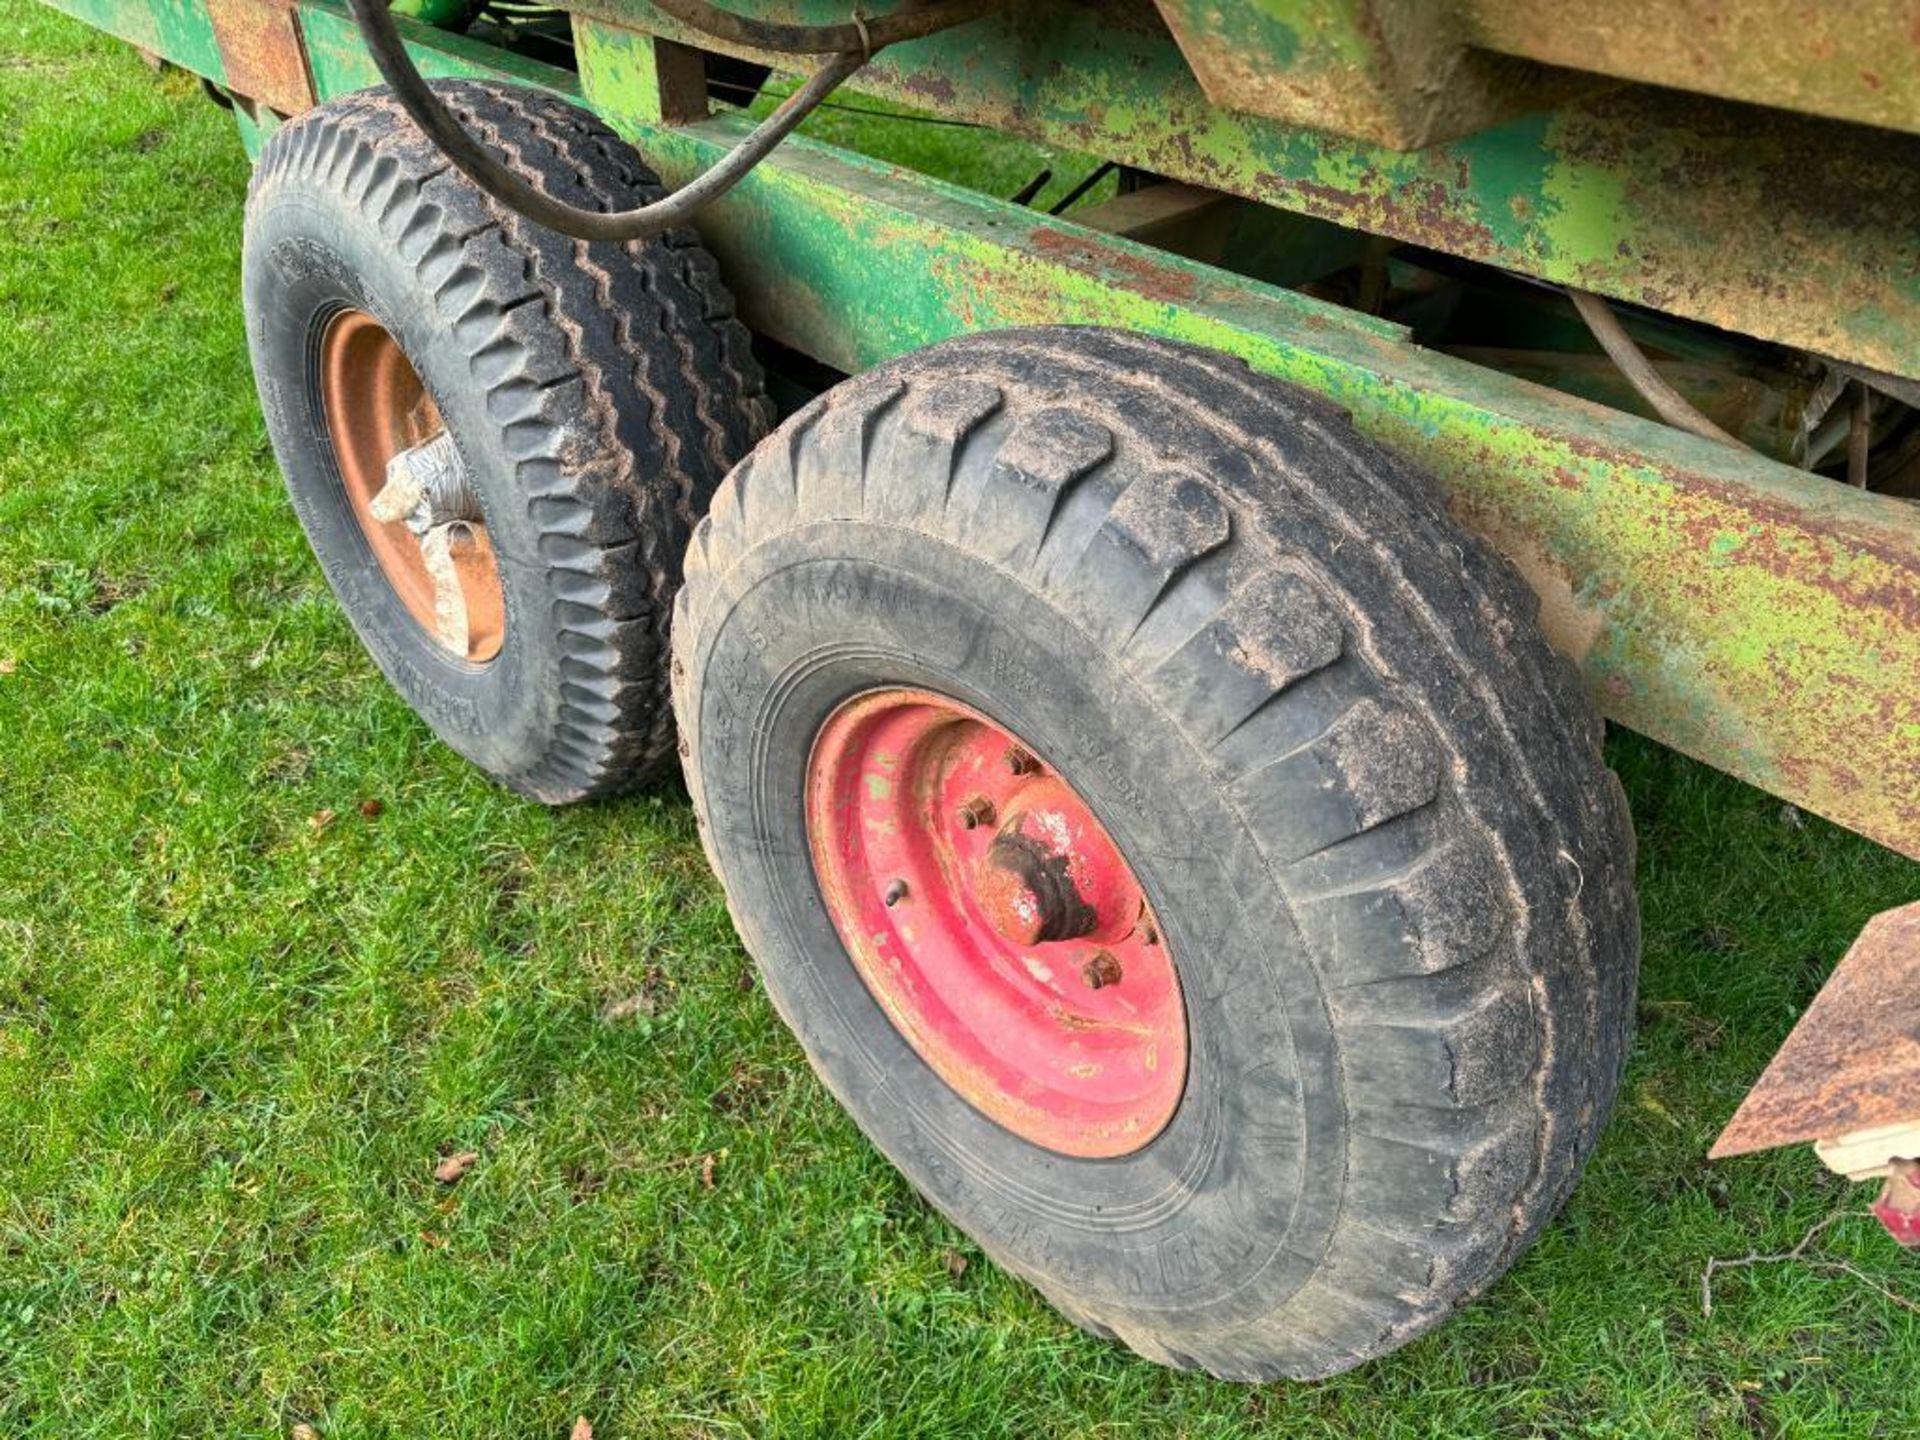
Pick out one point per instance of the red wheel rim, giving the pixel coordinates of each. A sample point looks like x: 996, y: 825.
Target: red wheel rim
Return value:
x: 996, y: 923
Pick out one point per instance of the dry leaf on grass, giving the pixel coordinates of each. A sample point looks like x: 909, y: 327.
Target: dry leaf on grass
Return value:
x: 956, y: 1264
x: 706, y: 1171
x: 371, y: 809
x: 320, y: 819
x: 582, y: 1429
x: 632, y: 1005
x: 7, y: 667
x: 450, y: 1170
x: 303, y: 1431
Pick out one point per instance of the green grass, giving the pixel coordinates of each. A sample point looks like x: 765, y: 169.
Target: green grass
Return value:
x: 235, y: 1036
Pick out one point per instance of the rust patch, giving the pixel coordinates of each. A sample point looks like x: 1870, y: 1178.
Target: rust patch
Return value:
x: 1108, y: 261
x: 1026, y: 892
x: 262, y: 53
x: 1853, y: 1061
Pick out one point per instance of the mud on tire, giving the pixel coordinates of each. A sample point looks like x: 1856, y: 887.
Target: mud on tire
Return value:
x: 1364, y: 796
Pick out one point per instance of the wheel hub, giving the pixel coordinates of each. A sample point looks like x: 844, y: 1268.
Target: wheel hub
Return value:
x: 408, y: 487
x: 996, y: 923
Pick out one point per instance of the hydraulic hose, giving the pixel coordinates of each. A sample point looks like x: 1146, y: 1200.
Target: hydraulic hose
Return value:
x: 1668, y: 403
x: 849, y: 47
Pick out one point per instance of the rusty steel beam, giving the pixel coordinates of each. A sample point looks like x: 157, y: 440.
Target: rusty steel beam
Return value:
x: 1395, y: 72
x: 1775, y: 225
x: 250, y: 48
x: 1857, y: 61
x: 179, y: 33
x: 1406, y: 73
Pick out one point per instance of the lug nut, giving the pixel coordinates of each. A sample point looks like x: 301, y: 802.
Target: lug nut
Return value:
x: 1101, y: 970
x: 896, y: 892
x: 976, y: 812
x: 1021, y: 762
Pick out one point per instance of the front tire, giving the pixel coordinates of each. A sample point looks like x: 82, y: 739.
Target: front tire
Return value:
x: 1362, y: 797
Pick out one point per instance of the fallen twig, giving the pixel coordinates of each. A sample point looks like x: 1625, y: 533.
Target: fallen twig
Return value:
x: 1798, y: 1253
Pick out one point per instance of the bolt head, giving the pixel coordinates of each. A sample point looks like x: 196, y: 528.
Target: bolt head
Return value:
x: 1101, y: 970
x: 1021, y: 762
x: 974, y: 813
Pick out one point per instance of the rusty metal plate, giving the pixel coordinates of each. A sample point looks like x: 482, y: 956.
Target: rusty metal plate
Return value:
x: 1853, y: 1061
x: 262, y: 53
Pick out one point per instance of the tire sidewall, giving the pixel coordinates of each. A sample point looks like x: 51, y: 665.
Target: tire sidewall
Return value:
x: 1224, y: 1214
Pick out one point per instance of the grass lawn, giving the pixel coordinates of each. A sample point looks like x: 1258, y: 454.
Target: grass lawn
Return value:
x: 268, y: 952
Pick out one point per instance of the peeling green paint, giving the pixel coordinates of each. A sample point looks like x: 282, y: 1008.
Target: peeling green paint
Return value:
x: 617, y: 68
x: 1776, y: 225
x: 1750, y: 615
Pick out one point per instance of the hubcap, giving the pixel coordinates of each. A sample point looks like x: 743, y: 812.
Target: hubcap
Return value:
x: 407, y: 485
x: 996, y: 923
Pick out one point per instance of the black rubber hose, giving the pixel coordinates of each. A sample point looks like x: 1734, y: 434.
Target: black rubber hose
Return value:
x: 1668, y: 403
x: 389, y: 54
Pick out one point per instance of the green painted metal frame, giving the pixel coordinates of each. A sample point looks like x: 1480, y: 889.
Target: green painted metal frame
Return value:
x: 1763, y: 620
x: 180, y: 31
x: 1760, y: 619
x: 1780, y: 226
x: 1409, y: 72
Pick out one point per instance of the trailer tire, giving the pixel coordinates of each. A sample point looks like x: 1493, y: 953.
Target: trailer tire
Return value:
x: 1363, y: 796
x: 594, y: 394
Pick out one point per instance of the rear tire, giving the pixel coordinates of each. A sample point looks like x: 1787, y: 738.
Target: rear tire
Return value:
x: 1363, y: 796
x: 596, y: 395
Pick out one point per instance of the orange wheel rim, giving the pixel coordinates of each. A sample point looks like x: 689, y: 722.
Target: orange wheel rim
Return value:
x: 376, y: 407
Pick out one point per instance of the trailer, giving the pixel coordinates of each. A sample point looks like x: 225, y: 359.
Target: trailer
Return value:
x: 1140, y: 666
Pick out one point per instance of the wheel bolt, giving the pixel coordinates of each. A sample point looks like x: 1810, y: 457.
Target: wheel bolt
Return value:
x: 976, y: 812
x: 1101, y: 970
x: 896, y: 892
x: 1021, y: 762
